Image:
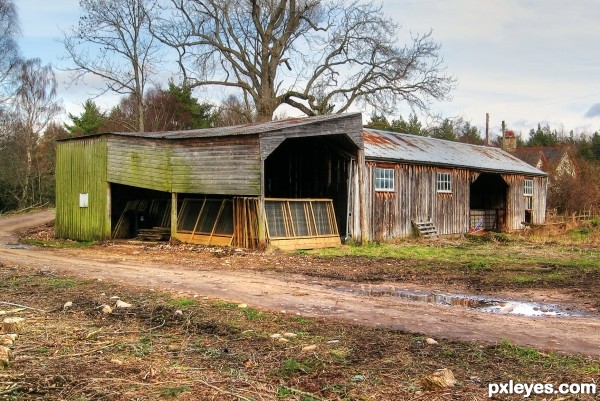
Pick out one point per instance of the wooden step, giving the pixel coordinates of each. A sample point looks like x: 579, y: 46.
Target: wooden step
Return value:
x: 426, y: 229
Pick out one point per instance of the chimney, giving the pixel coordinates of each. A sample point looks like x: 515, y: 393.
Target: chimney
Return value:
x: 509, y: 142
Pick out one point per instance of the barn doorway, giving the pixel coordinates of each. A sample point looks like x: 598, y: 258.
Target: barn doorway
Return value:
x: 307, y: 188
x: 488, y: 201
x: 136, y: 211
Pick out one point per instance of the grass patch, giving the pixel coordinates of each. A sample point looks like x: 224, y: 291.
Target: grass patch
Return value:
x: 61, y: 282
x: 293, y: 367
x: 56, y: 243
x: 252, y: 314
x: 183, y: 302
x: 174, y: 392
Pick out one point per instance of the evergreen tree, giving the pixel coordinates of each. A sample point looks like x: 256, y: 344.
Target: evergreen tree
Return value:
x: 91, y: 121
x: 379, y: 122
x: 444, y: 131
x: 595, y: 145
x: 543, y: 136
x: 189, y: 111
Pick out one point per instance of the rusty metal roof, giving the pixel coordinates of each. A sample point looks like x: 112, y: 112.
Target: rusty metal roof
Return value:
x: 393, y: 146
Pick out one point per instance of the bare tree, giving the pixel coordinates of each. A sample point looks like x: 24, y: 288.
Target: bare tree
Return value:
x: 318, y: 56
x: 9, y: 49
x: 35, y: 106
x: 112, y: 43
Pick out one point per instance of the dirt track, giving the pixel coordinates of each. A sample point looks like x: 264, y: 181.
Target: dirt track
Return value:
x: 306, y: 296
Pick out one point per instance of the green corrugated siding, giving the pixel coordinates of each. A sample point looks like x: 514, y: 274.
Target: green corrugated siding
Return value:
x: 81, y: 168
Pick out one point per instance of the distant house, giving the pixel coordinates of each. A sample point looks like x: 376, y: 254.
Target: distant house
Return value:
x: 554, y: 160
x: 293, y: 184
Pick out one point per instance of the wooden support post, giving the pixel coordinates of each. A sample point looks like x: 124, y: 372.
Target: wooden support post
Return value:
x: 360, y: 167
x: 262, y: 222
x: 173, y: 215
x: 107, y: 216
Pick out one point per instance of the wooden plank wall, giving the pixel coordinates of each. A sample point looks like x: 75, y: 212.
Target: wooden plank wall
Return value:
x: 220, y: 166
x: 139, y: 162
x: 390, y: 214
x: 515, y: 214
x: 81, y: 168
x: 415, y: 197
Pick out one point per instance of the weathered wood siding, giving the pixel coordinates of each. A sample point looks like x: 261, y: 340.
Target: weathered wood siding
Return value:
x: 515, y: 213
x: 415, y: 197
x: 81, y: 168
x: 139, y: 162
x: 219, y: 165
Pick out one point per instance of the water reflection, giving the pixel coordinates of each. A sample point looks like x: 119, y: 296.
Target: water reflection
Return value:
x: 480, y: 304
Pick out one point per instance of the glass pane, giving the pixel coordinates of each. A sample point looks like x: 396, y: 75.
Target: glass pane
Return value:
x: 209, y: 216
x: 299, y: 218
x: 225, y: 223
x: 188, y: 218
x: 275, y: 222
x: 322, y: 218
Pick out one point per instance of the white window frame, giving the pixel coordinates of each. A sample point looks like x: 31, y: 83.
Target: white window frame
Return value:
x: 528, y: 187
x: 384, y: 179
x: 443, y: 183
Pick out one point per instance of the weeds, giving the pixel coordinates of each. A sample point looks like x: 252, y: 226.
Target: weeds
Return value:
x: 183, y: 302
x: 173, y: 392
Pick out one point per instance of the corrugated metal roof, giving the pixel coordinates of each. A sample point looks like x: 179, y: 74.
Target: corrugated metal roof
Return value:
x: 247, y: 129
x: 393, y: 146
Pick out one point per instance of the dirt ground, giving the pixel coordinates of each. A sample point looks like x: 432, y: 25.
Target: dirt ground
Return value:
x: 308, y: 286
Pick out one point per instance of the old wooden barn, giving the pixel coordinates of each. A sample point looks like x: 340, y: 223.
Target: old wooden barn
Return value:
x: 297, y: 183
x: 453, y: 186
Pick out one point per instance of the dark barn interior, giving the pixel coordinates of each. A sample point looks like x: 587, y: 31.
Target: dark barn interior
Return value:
x: 488, y: 201
x: 135, y: 208
x: 312, y: 168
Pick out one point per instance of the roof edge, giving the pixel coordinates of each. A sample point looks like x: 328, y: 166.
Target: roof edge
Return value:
x: 464, y: 167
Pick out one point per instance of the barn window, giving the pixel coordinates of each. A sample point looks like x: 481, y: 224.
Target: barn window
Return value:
x: 528, y: 188
x: 384, y: 179
x: 444, y: 182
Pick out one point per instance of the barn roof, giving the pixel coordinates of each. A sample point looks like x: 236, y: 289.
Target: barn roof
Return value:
x: 393, y: 146
x: 246, y: 129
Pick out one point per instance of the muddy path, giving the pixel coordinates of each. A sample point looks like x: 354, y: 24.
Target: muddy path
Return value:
x: 307, y: 296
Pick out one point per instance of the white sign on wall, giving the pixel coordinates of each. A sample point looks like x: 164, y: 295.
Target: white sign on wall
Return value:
x: 83, y: 200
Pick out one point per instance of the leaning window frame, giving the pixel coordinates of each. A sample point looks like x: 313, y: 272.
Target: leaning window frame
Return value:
x: 443, y: 182
x: 385, y: 182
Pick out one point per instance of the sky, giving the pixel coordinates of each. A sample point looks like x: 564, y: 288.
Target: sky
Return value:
x: 522, y: 61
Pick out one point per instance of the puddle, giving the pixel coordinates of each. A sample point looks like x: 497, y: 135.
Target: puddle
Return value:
x: 481, y: 304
